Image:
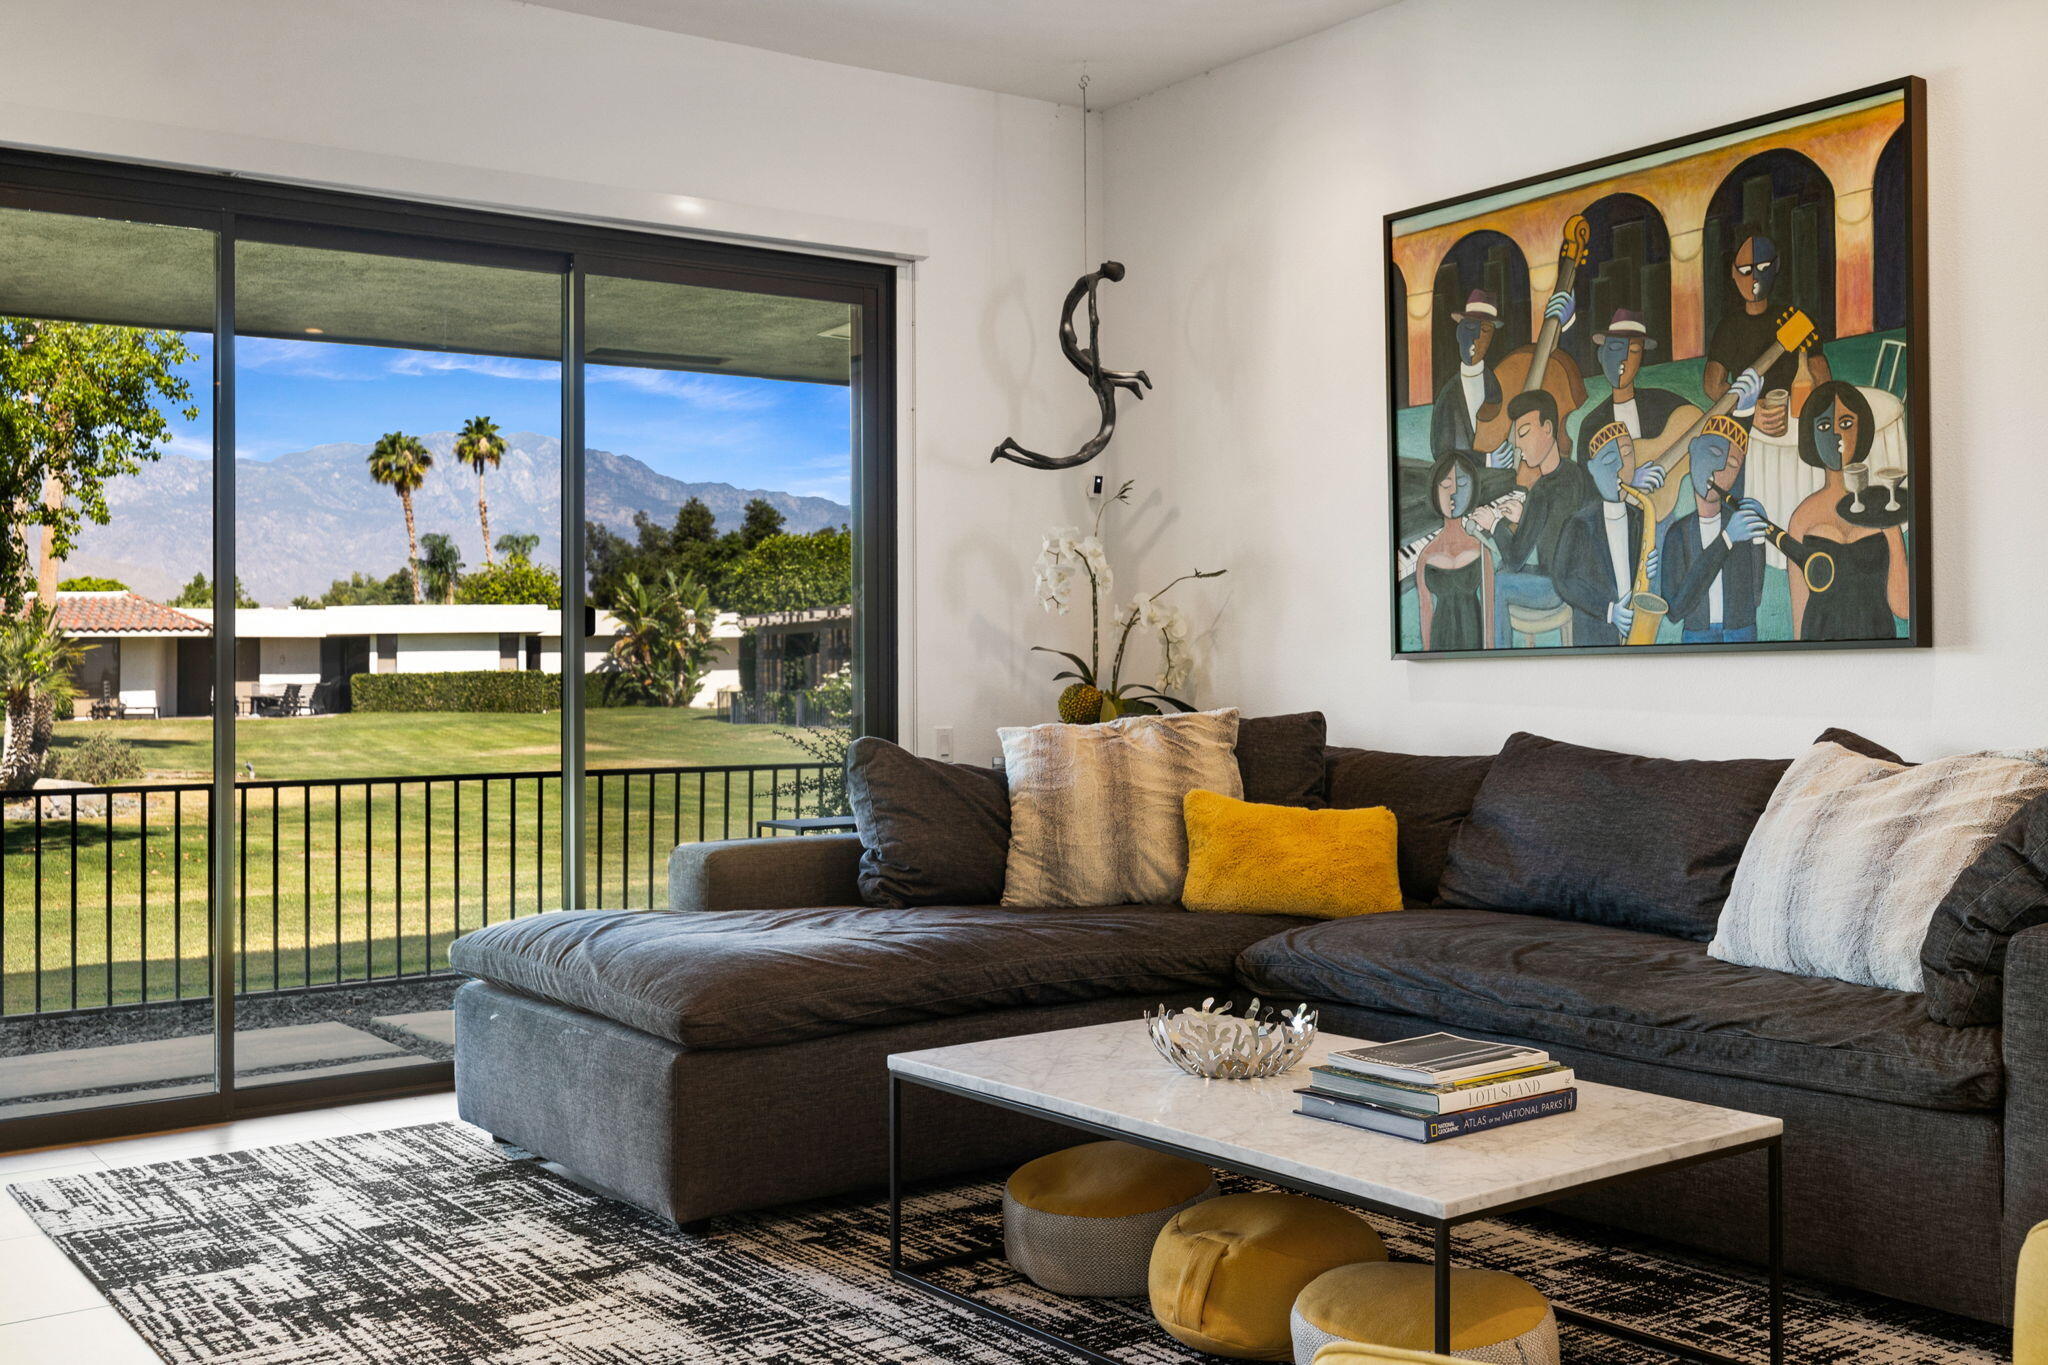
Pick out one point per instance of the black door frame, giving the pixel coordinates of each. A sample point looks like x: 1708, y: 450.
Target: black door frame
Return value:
x: 237, y: 209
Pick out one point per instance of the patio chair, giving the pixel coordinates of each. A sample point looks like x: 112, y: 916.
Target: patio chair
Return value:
x: 286, y: 703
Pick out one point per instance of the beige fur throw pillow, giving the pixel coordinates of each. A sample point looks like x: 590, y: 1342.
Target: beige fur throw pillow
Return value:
x: 1095, y: 810
x: 1844, y: 871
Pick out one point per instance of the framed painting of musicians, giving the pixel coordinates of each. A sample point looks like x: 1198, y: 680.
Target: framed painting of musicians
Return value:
x: 1671, y: 401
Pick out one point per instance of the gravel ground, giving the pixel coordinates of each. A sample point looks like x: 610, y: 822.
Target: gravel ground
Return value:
x: 357, y: 1006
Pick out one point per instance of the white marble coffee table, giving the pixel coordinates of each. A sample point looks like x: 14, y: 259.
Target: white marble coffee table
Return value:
x: 1107, y: 1080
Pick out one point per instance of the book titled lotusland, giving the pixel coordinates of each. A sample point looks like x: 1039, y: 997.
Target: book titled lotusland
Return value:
x: 1439, y: 1099
x: 1435, y: 1127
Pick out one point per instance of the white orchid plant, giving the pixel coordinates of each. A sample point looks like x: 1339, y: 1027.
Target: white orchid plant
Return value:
x: 1063, y: 560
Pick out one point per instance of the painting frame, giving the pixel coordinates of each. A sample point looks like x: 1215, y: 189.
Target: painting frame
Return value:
x: 1918, y: 624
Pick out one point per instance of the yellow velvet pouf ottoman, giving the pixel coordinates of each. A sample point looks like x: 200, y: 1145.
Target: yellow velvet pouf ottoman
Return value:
x: 1495, y: 1317
x: 1225, y: 1273
x: 1082, y: 1221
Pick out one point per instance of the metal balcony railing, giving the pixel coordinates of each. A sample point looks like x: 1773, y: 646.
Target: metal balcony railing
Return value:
x: 106, y: 892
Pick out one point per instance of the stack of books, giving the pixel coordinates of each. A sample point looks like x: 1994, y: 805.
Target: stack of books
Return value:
x: 1437, y: 1086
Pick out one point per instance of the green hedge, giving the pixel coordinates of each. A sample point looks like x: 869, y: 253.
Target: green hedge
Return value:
x: 528, y: 693
x: 525, y: 693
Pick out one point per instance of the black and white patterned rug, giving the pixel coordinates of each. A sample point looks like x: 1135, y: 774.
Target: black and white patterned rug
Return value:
x: 430, y: 1246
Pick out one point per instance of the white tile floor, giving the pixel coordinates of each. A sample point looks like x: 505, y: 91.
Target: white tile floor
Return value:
x: 49, y: 1313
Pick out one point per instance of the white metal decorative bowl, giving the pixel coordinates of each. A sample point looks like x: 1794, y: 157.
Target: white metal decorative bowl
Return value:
x: 1212, y: 1042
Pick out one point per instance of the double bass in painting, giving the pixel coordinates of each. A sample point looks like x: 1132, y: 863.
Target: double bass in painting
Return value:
x: 1539, y: 365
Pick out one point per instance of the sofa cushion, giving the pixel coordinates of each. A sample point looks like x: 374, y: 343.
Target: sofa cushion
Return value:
x: 1429, y: 795
x: 1280, y: 758
x: 2003, y: 891
x: 1624, y: 993
x: 1619, y: 839
x: 1095, y: 810
x: 931, y: 832
x: 938, y: 833
x: 1854, y: 855
x: 1254, y: 859
x: 748, y: 978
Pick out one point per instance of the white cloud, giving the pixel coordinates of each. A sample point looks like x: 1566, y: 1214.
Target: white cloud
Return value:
x: 304, y: 359
x: 490, y: 366
x: 699, y: 391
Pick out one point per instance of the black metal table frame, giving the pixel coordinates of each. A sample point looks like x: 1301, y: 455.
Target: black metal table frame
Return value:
x: 913, y: 1273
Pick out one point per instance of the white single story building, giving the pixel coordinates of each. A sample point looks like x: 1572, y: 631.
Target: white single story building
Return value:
x: 157, y: 658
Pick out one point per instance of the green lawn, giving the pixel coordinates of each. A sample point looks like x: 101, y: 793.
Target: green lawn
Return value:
x: 387, y: 745
x: 353, y: 882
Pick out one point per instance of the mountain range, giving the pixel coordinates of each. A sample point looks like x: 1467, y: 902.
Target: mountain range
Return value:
x: 305, y: 519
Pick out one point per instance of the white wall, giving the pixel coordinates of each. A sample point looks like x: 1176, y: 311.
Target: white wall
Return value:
x: 149, y: 674
x: 1248, y: 203
x: 447, y: 654
x: 283, y: 661
x: 494, y: 100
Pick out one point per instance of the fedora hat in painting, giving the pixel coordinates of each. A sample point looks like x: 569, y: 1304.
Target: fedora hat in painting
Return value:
x: 1479, y: 306
x: 1626, y: 324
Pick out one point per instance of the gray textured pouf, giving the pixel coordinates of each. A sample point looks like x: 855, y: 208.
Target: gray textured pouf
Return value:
x: 1082, y: 1221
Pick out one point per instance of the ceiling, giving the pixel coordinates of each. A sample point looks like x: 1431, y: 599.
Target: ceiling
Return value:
x: 1020, y: 47
x: 80, y: 269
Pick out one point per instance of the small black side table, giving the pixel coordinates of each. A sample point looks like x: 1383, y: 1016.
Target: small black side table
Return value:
x: 809, y: 824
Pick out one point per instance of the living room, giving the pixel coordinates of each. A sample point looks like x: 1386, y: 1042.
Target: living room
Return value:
x: 1075, y: 511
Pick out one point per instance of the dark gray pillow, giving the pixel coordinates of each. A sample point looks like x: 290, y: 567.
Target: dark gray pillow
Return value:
x: 1857, y: 744
x: 931, y: 833
x: 1617, y: 839
x: 1429, y: 796
x: 2004, y: 890
x: 1280, y: 758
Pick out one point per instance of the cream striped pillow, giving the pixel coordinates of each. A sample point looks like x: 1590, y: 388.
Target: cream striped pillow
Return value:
x: 1095, y: 810
x: 1843, y: 873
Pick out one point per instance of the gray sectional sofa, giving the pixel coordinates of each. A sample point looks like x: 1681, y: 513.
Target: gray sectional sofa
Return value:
x: 729, y: 1055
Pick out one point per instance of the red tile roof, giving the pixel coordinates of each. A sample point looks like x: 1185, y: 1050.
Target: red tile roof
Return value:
x: 114, y: 613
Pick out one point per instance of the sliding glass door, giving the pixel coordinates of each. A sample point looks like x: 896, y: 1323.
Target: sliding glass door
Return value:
x: 718, y: 426
x: 397, y: 522
x: 106, y: 449
x: 406, y: 570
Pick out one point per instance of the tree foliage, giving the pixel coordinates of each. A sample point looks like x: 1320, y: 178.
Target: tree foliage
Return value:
x: 80, y: 404
x: 363, y: 590
x: 518, y: 544
x: 92, y: 583
x: 199, y: 593
x: 37, y: 664
x: 440, y: 565
x: 664, y: 644
x: 691, y: 546
x: 517, y: 581
x: 481, y: 448
x: 400, y: 462
x: 786, y: 573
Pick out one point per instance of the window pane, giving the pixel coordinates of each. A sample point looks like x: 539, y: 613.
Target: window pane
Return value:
x: 105, y: 973
x: 398, y: 533
x: 717, y: 499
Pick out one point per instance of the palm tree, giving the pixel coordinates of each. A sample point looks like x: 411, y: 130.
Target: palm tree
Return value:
x: 400, y: 462
x: 441, y: 564
x: 37, y: 663
x: 518, y: 544
x: 664, y: 641
x: 481, y: 447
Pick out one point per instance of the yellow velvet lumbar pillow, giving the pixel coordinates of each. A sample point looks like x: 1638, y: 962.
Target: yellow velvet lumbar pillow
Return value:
x: 1250, y: 859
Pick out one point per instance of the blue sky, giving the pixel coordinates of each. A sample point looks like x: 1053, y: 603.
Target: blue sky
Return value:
x: 755, y: 433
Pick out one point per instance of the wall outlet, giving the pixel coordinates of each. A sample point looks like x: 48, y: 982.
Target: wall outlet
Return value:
x: 942, y: 741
